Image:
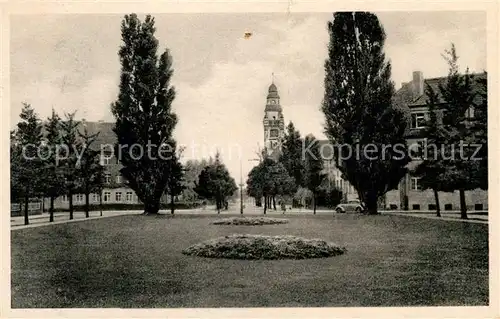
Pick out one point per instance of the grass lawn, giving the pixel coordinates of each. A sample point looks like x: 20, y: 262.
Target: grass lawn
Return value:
x: 136, y: 261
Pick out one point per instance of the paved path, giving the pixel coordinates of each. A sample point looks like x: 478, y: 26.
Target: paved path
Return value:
x: 479, y: 219
x: 63, y: 217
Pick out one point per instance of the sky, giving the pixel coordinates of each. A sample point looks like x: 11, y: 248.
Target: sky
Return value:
x: 70, y: 63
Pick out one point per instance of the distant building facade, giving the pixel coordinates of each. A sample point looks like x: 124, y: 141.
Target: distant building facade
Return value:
x: 411, y: 97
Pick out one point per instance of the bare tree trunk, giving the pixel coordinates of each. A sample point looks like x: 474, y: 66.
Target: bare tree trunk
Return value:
x: 51, y: 209
x: 100, y: 202
x: 314, y: 203
x: 274, y: 202
x: 438, y: 208
x: 463, y: 207
x: 172, y: 203
x: 70, y: 198
x: 26, y: 210
x: 87, y: 204
x: 265, y: 204
x: 372, y: 204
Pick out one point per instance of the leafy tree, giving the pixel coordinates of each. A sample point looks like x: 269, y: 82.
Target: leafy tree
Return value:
x: 459, y: 95
x: 480, y: 130
x: 291, y: 155
x: 432, y: 169
x: 70, y: 158
x: 53, y: 174
x: 192, y: 170
x: 269, y: 180
x: 90, y: 171
x: 302, y: 196
x: 255, y: 184
x: 358, y: 107
x: 26, y: 165
x: 175, y: 184
x: 329, y: 197
x: 314, y: 174
x: 215, y: 183
x: 280, y: 183
x: 144, y: 117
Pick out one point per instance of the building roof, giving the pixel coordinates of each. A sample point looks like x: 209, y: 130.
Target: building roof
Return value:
x: 404, y: 96
x: 273, y: 92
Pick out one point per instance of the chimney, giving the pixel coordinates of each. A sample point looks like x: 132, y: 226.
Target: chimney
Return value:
x: 418, y: 84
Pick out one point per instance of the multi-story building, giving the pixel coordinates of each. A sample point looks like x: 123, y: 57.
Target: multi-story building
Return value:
x: 411, y: 97
x: 115, y: 190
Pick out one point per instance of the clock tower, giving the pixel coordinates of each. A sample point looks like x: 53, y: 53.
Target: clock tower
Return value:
x: 274, y: 123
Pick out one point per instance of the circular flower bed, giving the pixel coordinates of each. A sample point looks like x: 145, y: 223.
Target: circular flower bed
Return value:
x: 264, y: 247
x: 250, y: 221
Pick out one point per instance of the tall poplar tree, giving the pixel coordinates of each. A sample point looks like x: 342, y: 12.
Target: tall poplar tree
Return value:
x: 358, y: 107
x: 144, y: 117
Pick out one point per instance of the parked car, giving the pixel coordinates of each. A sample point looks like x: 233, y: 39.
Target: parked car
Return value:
x: 353, y: 206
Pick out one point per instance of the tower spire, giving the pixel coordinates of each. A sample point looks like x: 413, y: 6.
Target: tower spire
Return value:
x: 272, y: 77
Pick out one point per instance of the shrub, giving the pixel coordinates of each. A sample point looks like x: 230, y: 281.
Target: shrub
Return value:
x: 264, y: 247
x: 250, y: 221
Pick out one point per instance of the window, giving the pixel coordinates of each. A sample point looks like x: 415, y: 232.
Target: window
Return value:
x: 432, y: 207
x: 448, y: 206
x: 418, y: 120
x: 274, y: 133
x: 128, y: 196
x: 417, y: 149
x: 79, y: 198
x: 478, y: 207
x: 416, y: 207
x: 118, y: 179
x: 469, y: 113
x: 415, y: 185
x: 107, y: 197
x: 393, y: 206
x: 107, y: 178
x: 65, y: 198
x: 95, y: 197
x: 106, y: 159
x: 118, y: 196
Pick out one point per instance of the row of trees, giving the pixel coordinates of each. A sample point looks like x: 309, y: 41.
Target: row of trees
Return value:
x: 298, y: 172
x: 52, y: 159
x: 360, y: 111
x: 458, y: 115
